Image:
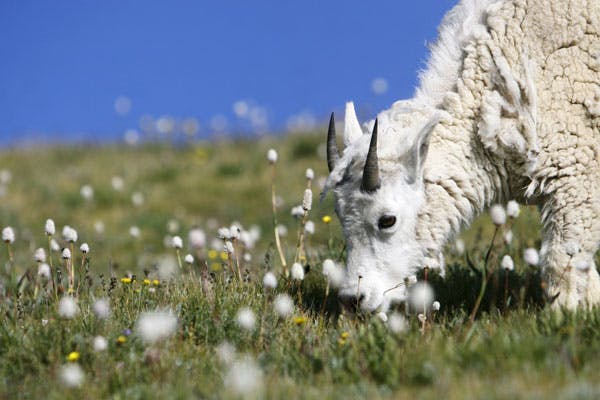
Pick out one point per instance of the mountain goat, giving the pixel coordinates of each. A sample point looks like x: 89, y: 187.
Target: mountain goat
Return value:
x: 508, y: 107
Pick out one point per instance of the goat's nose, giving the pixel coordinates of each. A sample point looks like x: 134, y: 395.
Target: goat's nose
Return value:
x: 351, y: 302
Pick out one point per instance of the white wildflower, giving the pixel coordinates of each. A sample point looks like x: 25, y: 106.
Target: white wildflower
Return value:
x: 228, y: 247
x: 270, y: 280
x: 508, y: 237
x: 44, y: 271
x: 531, y: 256
x: 154, y: 326
x: 297, y: 212
x: 87, y: 192
x: 307, y: 200
x: 177, y: 242
x: 422, y: 318
x: 5, y: 177
x: 224, y: 233
x: 67, y: 307
x: 397, y: 323
x: 244, y: 377
x: 420, y: 296
x: 272, y: 156
x: 459, y: 246
x: 310, y: 174
x: 309, y: 227
x: 197, y: 238
x: 507, y: 263
x: 297, y: 272
x: 282, y: 230
x: 189, y: 259
x: 85, y: 248
x: 382, y: 316
x: 117, y: 183
x: 226, y: 353
x: 99, y: 227
x: 498, y: 214
x: 436, y: 306
x: 69, y: 234
x: 72, y: 375
x: 66, y: 254
x: 50, y: 228
x: 39, y: 255
x: 333, y: 272
x: 245, y: 318
x: 134, y: 232
x: 283, y: 305
x: 101, y: 308
x: 512, y: 209
x: 8, y: 235
x: 137, y: 199
x: 172, y: 226
x: 54, y: 246
x: 234, y: 231
x: 100, y: 344
x: 247, y: 257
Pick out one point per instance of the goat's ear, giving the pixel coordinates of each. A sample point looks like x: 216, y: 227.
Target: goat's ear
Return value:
x: 418, y: 151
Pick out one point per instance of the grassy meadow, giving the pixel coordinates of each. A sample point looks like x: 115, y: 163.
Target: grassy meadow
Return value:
x: 514, y: 347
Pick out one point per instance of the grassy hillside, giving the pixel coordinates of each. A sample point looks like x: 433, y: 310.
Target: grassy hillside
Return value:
x: 515, y: 348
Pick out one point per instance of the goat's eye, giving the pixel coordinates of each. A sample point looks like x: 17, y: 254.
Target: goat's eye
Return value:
x: 387, y: 221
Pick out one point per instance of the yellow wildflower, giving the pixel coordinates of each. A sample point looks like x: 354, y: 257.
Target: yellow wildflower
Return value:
x: 215, y: 267
x: 212, y: 254
x: 121, y: 339
x: 300, y: 320
x: 224, y: 256
x: 156, y: 282
x: 326, y: 219
x: 147, y: 281
x: 73, y: 356
x: 345, y: 335
x: 126, y: 280
x: 341, y: 341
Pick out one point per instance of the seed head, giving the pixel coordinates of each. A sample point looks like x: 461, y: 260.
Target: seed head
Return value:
x: 50, y: 228
x: 307, y: 200
x: 66, y: 254
x: 244, y: 378
x: 498, y: 214
x: 69, y: 234
x: 85, y: 248
x: 283, y: 305
x: 44, y: 271
x: 333, y: 272
x: 177, y: 242
x: 436, y: 306
x: 189, y: 259
x: 512, y: 209
x: 310, y: 174
x: 272, y: 156
x: 507, y: 263
x: 134, y: 232
x: 309, y: 227
x: 531, y: 256
x: 224, y: 233
x: 397, y: 323
x: 87, y: 192
x: 8, y: 235
x: 420, y: 296
x: 101, y: 308
x: 245, y: 318
x: 508, y: 237
x: 459, y: 246
x: 297, y: 212
x: 197, y: 238
x: 117, y: 183
x: 100, y: 344
x: 72, y: 375
x: 67, y: 307
x: 228, y: 247
x: 39, y: 255
x: 382, y: 316
x: 297, y: 272
x: 154, y: 326
x: 270, y: 280
x: 54, y: 246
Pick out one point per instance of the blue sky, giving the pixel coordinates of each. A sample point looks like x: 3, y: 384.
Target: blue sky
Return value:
x: 65, y: 63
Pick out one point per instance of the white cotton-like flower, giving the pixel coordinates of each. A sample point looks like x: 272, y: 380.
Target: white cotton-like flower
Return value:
x: 5, y: 177
x: 297, y: 272
x: 498, y: 214
x: 39, y: 255
x: 224, y: 233
x: 531, y: 256
x: 69, y: 234
x: 459, y: 246
x: 177, y: 242
x: 117, y: 183
x: 333, y: 272
x: 397, y: 323
x: 247, y: 257
x: 85, y: 248
x: 245, y: 318
x: 272, y: 156
x: 154, y: 326
x: 50, y: 228
x: 66, y: 254
x: 382, y: 316
x: 189, y: 259
x: 309, y: 227
x: 420, y: 296
x: 244, y: 377
x: 234, y: 231
x: 72, y: 375
x: 8, y: 235
x: 101, y: 308
x: 54, y: 246
x: 67, y: 307
x: 297, y: 212
x: 197, y: 239
x: 310, y: 174
x: 435, y: 306
x: 422, y: 318
x: 99, y: 227
x: 134, y: 232
x: 283, y: 305
x: 87, y: 192
x: 307, y: 200
x: 572, y: 248
x: 228, y: 247
x: 282, y: 230
x: 508, y: 237
x: 226, y: 353
x: 269, y: 280
x: 512, y: 209
x: 100, y: 344
x: 507, y: 263
x: 137, y: 199
x: 44, y: 271
x: 172, y: 226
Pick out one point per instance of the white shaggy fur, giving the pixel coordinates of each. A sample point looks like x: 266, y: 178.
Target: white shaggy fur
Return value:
x: 508, y: 107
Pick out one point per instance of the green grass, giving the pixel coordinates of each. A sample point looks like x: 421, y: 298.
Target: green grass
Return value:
x: 519, y: 350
